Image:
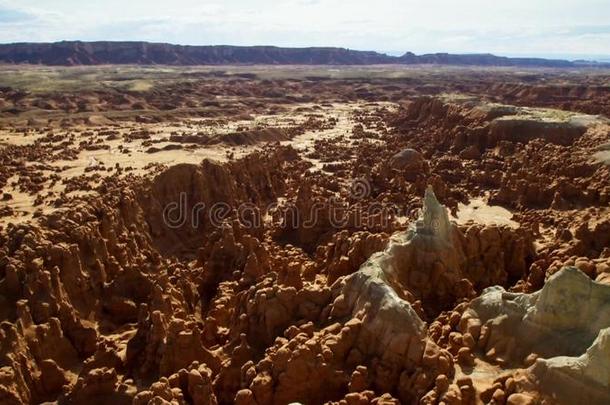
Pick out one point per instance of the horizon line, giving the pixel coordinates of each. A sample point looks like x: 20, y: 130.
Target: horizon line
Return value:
x: 550, y: 56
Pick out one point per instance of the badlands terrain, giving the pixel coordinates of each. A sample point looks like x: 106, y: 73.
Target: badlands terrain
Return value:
x: 304, y: 234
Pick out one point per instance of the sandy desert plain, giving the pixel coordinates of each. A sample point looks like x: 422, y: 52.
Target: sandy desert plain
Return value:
x: 311, y: 234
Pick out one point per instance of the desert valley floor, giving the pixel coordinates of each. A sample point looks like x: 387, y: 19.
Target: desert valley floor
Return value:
x: 273, y: 234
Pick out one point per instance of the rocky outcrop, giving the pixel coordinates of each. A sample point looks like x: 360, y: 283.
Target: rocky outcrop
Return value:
x: 499, y: 148
x: 525, y: 128
x: 564, y: 327
x: 570, y: 310
x: 579, y: 378
x: 434, y: 264
x: 112, y: 263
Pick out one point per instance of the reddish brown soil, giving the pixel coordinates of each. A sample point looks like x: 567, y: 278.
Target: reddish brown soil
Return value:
x: 103, y: 301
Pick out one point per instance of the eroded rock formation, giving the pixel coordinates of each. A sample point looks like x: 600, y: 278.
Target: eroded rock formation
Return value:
x: 565, y: 325
x: 275, y: 277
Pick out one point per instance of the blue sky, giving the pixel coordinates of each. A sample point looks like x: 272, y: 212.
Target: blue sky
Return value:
x: 517, y: 27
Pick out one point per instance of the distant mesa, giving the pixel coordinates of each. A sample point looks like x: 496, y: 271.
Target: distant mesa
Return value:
x: 68, y: 53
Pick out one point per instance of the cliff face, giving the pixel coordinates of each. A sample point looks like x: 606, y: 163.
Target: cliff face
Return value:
x: 483, y: 59
x: 94, y: 53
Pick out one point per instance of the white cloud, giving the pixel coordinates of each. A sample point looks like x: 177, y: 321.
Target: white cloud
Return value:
x: 520, y: 26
